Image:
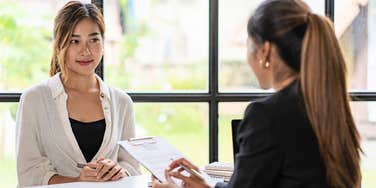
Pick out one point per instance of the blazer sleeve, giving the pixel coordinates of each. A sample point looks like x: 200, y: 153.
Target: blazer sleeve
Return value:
x: 124, y: 158
x: 33, y: 166
x: 259, y: 160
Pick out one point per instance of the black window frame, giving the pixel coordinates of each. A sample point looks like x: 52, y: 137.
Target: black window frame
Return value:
x: 213, y: 97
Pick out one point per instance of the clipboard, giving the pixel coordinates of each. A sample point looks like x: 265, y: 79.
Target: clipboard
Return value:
x: 154, y: 153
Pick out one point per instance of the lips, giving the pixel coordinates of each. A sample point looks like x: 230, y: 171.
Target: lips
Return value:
x: 84, y: 62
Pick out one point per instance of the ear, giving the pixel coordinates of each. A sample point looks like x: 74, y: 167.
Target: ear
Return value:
x: 264, y: 50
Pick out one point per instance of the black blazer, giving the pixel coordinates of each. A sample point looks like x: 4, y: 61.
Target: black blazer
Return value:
x: 278, y: 147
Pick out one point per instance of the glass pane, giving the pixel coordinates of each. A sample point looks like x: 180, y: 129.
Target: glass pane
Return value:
x: 355, y: 24
x: 365, y: 117
x: 25, y: 42
x: 154, y: 46
x: 8, y: 175
x: 234, y: 72
x: 227, y: 112
x: 184, y: 125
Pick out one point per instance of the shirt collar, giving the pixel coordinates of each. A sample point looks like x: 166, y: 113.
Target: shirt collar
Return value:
x: 57, y: 88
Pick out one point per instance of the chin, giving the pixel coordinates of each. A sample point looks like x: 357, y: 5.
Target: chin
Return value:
x: 264, y: 86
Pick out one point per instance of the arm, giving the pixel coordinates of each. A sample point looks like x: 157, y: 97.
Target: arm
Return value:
x: 124, y: 159
x: 259, y: 160
x: 55, y: 179
x: 88, y: 173
x: 33, y: 167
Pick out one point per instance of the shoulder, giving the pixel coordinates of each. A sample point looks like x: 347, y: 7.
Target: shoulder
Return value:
x: 120, y: 97
x: 286, y: 101
x: 256, y: 115
x: 34, y: 92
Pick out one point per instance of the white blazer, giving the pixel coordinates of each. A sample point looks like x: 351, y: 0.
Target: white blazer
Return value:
x: 45, y: 143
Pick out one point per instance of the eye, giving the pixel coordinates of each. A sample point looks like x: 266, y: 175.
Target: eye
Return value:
x: 94, y: 40
x: 73, y: 41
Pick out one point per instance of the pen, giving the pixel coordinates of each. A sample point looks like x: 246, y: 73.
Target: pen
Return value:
x: 191, y: 171
x: 81, y: 165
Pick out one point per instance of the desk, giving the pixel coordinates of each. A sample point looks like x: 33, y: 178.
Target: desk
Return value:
x: 127, y: 182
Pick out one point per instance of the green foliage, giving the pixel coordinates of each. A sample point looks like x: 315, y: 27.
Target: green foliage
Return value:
x: 24, y: 59
x: 171, y: 118
x: 8, y: 175
x: 181, y: 79
x: 183, y: 125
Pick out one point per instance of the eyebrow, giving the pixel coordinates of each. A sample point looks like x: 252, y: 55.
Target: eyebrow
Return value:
x: 90, y: 35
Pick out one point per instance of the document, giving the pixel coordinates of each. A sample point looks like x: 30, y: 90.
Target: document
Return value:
x: 154, y: 153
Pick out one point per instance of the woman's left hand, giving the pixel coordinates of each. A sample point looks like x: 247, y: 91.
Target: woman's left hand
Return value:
x: 187, y: 181
x: 109, y: 170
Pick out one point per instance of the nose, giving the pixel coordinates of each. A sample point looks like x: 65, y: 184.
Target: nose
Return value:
x: 85, y: 49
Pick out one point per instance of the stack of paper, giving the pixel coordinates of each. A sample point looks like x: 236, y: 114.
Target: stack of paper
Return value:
x: 220, y: 169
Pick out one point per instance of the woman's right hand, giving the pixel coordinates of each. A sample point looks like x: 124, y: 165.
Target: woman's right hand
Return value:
x: 89, y: 173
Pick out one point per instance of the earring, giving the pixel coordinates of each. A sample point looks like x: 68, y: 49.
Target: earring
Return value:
x: 267, y: 64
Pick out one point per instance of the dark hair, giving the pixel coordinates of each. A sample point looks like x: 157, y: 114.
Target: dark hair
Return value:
x: 65, y: 22
x: 306, y: 42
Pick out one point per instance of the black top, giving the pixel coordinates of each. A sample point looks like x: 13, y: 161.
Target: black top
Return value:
x: 277, y: 145
x: 89, y: 136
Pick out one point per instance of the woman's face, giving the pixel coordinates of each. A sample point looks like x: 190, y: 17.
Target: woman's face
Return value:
x: 85, y: 48
x: 256, y: 58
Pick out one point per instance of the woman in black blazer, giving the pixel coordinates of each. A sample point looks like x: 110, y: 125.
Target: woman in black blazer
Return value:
x: 303, y: 135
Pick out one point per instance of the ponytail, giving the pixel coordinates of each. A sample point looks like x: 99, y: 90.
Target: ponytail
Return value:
x: 324, y: 89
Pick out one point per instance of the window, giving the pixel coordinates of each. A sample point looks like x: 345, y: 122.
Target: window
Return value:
x: 355, y: 24
x: 183, y: 63
x: 157, y: 46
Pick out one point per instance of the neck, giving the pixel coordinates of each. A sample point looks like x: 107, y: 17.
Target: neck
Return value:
x: 285, y: 82
x: 82, y: 83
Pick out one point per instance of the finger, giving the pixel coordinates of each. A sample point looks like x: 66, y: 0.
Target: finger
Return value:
x: 108, y: 164
x: 92, y: 165
x: 94, y: 179
x: 100, y: 159
x: 182, y: 161
x: 180, y: 169
x: 188, y: 164
x: 87, y: 171
x: 175, y: 163
x: 188, y: 180
x: 179, y: 176
x: 115, y: 170
x: 168, y: 177
x: 100, y: 166
x: 90, y: 174
x: 156, y: 184
x: 118, y: 176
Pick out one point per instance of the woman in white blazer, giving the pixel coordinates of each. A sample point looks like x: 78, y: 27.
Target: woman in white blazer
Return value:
x: 68, y: 126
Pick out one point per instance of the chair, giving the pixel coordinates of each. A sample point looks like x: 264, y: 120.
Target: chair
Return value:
x: 234, y: 130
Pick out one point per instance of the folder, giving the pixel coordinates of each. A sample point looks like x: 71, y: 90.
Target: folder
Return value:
x: 154, y: 153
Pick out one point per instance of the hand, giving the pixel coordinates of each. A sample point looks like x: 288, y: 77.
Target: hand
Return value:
x: 89, y: 173
x: 169, y: 184
x: 188, y: 181
x: 109, y: 170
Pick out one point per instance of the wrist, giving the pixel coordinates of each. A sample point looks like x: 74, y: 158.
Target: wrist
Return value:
x: 77, y: 179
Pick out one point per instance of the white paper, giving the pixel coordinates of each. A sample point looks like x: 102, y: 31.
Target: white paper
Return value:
x: 155, y: 155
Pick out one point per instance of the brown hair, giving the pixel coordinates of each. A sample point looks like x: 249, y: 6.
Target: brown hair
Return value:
x: 65, y: 22
x: 308, y: 45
